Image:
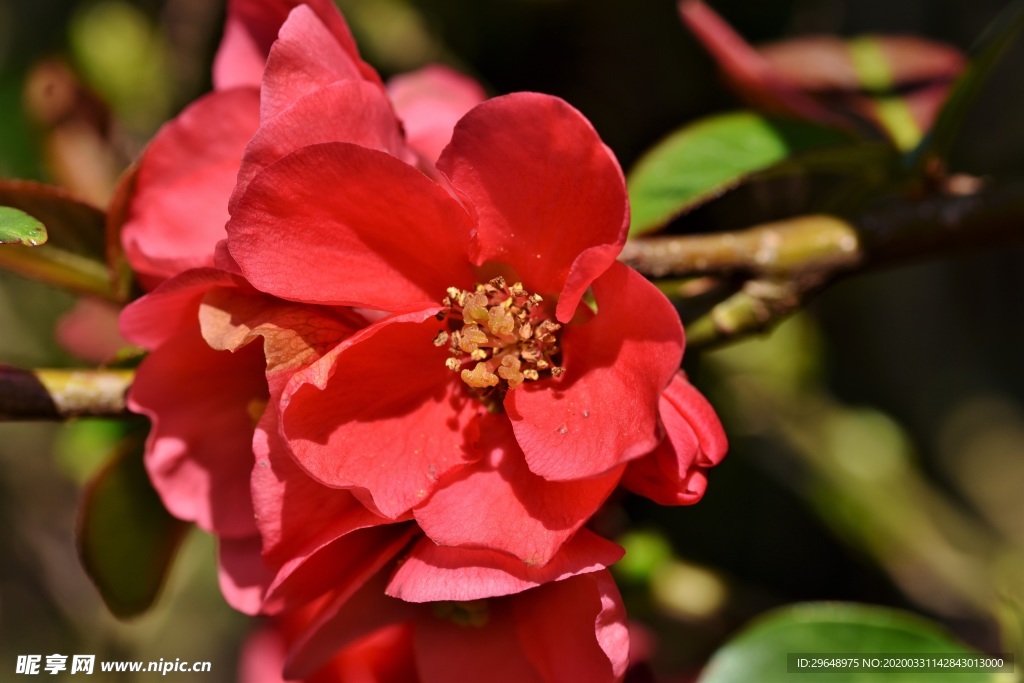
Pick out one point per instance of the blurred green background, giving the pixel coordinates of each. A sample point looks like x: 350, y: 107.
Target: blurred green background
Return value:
x: 877, y: 439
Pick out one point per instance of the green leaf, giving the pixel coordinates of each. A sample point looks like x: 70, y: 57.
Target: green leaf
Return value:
x: 984, y: 56
x: 702, y: 160
x: 126, y: 538
x: 17, y: 227
x: 761, y: 653
x: 74, y: 256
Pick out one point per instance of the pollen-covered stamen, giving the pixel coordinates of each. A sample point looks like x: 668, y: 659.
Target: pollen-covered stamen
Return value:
x: 499, y: 336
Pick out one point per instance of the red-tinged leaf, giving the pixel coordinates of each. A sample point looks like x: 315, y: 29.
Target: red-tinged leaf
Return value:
x: 822, y: 64
x: 17, y: 227
x: 122, y: 276
x: 126, y: 539
x: 74, y: 256
x: 752, y: 76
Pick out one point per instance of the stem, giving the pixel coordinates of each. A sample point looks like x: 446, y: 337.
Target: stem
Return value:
x: 62, y: 394
x: 784, y: 263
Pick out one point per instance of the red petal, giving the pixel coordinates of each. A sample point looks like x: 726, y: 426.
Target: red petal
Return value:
x: 359, y: 113
x: 305, y: 57
x: 447, y: 651
x: 296, y: 515
x: 430, y: 101
x: 500, y: 505
x: 252, y: 27
x: 546, y: 189
x: 262, y: 657
x: 89, y: 331
x: 199, y: 452
x: 675, y: 473
x: 391, y: 240
x: 574, y: 630
x: 293, y: 335
x: 382, y: 412
x: 242, y: 574
x: 346, y: 618
x: 343, y: 565
x: 604, y: 410
x: 171, y: 307
x: 432, y: 572
x: 683, y: 399
x: 185, y: 178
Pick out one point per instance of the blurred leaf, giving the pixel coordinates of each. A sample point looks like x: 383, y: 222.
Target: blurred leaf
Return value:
x: 17, y: 227
x: 75, y: 253
x: 117, y: 215
x: 875, y: 73
x: 751, y: 75
x: 126, y: 539
x: 984, y: 56
x: 125, y: 58
x: 702, y: 160
x: 759, y: 653
x: 645, y: 552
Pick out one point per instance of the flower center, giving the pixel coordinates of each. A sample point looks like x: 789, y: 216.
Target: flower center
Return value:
x: 499, y: 337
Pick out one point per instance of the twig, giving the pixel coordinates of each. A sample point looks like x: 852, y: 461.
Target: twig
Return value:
x: 62, y: 394
x: 784, y: 263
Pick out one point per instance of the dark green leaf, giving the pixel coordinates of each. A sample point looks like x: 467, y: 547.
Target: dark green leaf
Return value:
x: 74, y: 256
x: 702, y: 160
x: 126, y: 539
x: 983, y: 58
x: 760, y: 653
x: 17, y: 227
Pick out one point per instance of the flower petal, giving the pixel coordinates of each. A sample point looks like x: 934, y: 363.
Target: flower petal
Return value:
x: 546, y: 189
x: 199, y: 451
x: 432, y: 572
x: 295, y: 514
x: 251, y: 29
x: 603, y: 411
x: 359, y: 113
x: 430, y: 101
x: 392, y: 240
x: 171, y: 307
x: 447, y: 651
x: 346, y: 617
x: 305, y: 57
x: 294, y: 335
x: 675, y: 473
x: 243, y: 577
x: 574, y: 630
x: 382, y: 412
x: 185, y: 178
x: 499, y: 504
x: 343, y: 565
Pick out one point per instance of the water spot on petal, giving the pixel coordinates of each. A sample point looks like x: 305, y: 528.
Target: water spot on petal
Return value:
x: 563, y: 430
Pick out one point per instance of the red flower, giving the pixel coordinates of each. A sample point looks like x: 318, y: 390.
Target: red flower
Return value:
x: 574, y: 394
x: 571, y: 630
x: 451, y: 370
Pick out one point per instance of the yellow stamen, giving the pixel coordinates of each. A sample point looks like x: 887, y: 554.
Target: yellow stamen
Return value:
x: 480, y: 377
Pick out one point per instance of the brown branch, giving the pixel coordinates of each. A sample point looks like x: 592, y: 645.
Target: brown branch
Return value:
x: 781, y: 265
x: 62, y: 394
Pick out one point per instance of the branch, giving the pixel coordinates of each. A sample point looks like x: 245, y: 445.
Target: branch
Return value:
x: 62, y: 394
x: 781, y: 265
